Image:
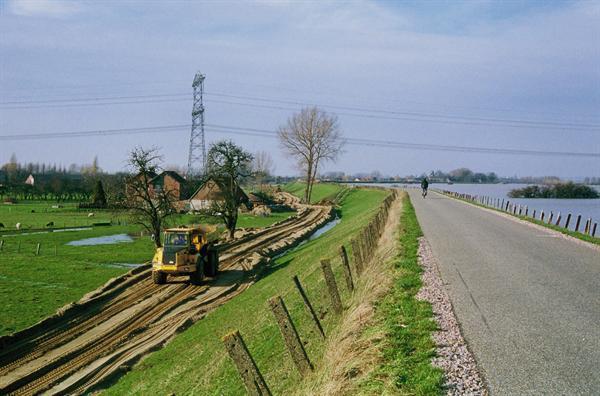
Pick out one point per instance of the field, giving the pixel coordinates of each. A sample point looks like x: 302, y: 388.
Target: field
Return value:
x: 35, y: 286
x: 196, y: 361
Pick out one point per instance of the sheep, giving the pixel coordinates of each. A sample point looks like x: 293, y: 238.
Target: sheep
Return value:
x: 18, y: 226
x: 90, y: 214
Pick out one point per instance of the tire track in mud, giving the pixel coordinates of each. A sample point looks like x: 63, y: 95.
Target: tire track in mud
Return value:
x: 119, y: 323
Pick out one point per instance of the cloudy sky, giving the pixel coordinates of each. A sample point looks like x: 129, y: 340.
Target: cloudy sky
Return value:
x: 484, y: 74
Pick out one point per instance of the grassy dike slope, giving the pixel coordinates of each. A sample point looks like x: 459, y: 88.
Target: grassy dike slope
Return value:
x: 320, y: 191
x: 196, y: 362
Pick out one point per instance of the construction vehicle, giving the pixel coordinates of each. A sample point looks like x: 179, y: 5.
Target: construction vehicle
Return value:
x: 186, y: 251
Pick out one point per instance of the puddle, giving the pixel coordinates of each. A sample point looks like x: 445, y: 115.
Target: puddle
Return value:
x: 123, y: 265
x: 103, y: 240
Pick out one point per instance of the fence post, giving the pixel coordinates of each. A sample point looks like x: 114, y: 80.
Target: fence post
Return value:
x: 246, y: 366
x: 568, y: 221
x: 346, y: 267
x: 334, y: 294
x: 1, y: 244
x: 308, y: 305
x: 594, y: 230
x: 558, y: 219
x: 533, y: 216
x: 290, y: 335
x: 577, y: 223
x: 542, y: 216
x: 37, y: 250
x: 550, y: 218
x: 356, y: 256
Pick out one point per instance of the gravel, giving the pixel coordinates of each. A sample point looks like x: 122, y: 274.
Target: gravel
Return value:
x: 462, y: 376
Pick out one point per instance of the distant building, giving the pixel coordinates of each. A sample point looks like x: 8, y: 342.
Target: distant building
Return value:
x: 30, y: 180
x: 210, y: 192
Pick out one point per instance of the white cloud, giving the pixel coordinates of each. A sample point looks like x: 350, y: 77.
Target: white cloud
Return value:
x: 44, y: 8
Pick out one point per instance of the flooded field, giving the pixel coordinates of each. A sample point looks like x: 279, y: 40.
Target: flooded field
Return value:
x: 102, y: 240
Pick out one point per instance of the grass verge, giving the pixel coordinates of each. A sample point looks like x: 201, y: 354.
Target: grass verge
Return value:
x: 195, y: 362
x: 407, y: 347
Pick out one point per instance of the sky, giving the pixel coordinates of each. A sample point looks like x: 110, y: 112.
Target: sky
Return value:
x: 521, y: 75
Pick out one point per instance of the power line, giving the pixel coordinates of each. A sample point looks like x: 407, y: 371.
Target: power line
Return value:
x: 358, y: 111
x: 226, y: 129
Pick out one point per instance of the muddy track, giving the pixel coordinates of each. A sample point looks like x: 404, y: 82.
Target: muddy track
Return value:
x: 93, y: 340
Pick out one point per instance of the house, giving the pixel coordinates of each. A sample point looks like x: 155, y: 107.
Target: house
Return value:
x: 210, y: 192
x: 167, y: 181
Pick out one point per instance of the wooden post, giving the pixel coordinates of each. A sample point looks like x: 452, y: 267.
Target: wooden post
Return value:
x: 558, y: 219
x: 577, y: 223
x: 37, y: 250
x: 246, y: 366
x: 290, y: 335
x: 588, y: 225
x: 594, y: 230
x: 502, y: 206
x: 346, y: 267
x: 568, y: 221
x: 334, y: 294
x: 356, y: 256
x: 550, y: 218
x: 1, y: 244
x: 308, y: 305
x: 55, y: 249
x: 542, y: 216
x: 533, y: 216
x: 526, y: 210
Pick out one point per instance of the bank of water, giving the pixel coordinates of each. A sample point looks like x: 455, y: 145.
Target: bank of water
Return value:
x: 585, y: 207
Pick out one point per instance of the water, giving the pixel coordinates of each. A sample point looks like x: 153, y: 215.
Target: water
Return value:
x: 103, y: 240
x: 325, y: 228
x: 585, y: 207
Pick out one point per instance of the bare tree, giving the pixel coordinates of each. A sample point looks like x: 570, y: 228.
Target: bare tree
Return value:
x: 312, y: 136
x: 262, y: 166
x: 228, y: 165
x: 150, y: 207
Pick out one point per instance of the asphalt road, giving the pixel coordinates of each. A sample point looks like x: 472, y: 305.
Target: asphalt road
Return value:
x: 527, y: 300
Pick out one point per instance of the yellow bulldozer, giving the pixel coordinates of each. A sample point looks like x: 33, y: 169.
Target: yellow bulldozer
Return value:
x: 186, y: 251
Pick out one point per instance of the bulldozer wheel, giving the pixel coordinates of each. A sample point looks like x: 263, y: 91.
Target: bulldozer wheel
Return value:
x: 196, y: 277
x: 159, y: 278
x: 210, y: 268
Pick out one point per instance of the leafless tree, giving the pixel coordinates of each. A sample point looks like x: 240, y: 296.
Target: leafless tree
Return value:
x: 150, y: 207
x: 311, y: 136
x: 228, y: 165
x: 262, y: 166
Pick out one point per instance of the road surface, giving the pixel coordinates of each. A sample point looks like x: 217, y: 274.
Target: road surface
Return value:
x: 527, y: 300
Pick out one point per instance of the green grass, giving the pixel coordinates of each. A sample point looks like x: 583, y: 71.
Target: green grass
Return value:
x: 196, y: 362
x: 407, y: 323
x: 38, y: 214
x: 320, y: 190
x: 34, y: 287
x: 578, y: 235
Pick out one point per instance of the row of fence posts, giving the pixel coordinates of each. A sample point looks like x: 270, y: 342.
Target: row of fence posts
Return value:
x: 38, y: 247
x: 522, y: 210
x: 363, y: 247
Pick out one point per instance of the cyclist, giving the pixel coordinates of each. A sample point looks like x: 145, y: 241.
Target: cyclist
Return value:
x: 424, y: 186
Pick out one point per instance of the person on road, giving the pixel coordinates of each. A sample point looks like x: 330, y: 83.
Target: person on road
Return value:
x: 424, y: 186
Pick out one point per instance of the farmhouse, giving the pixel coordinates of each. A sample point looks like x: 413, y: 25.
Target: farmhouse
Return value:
x: 165, y: 181
x: 210, y: 192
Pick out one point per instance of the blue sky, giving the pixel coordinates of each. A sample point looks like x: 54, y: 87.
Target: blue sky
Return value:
x: 529, y: 61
